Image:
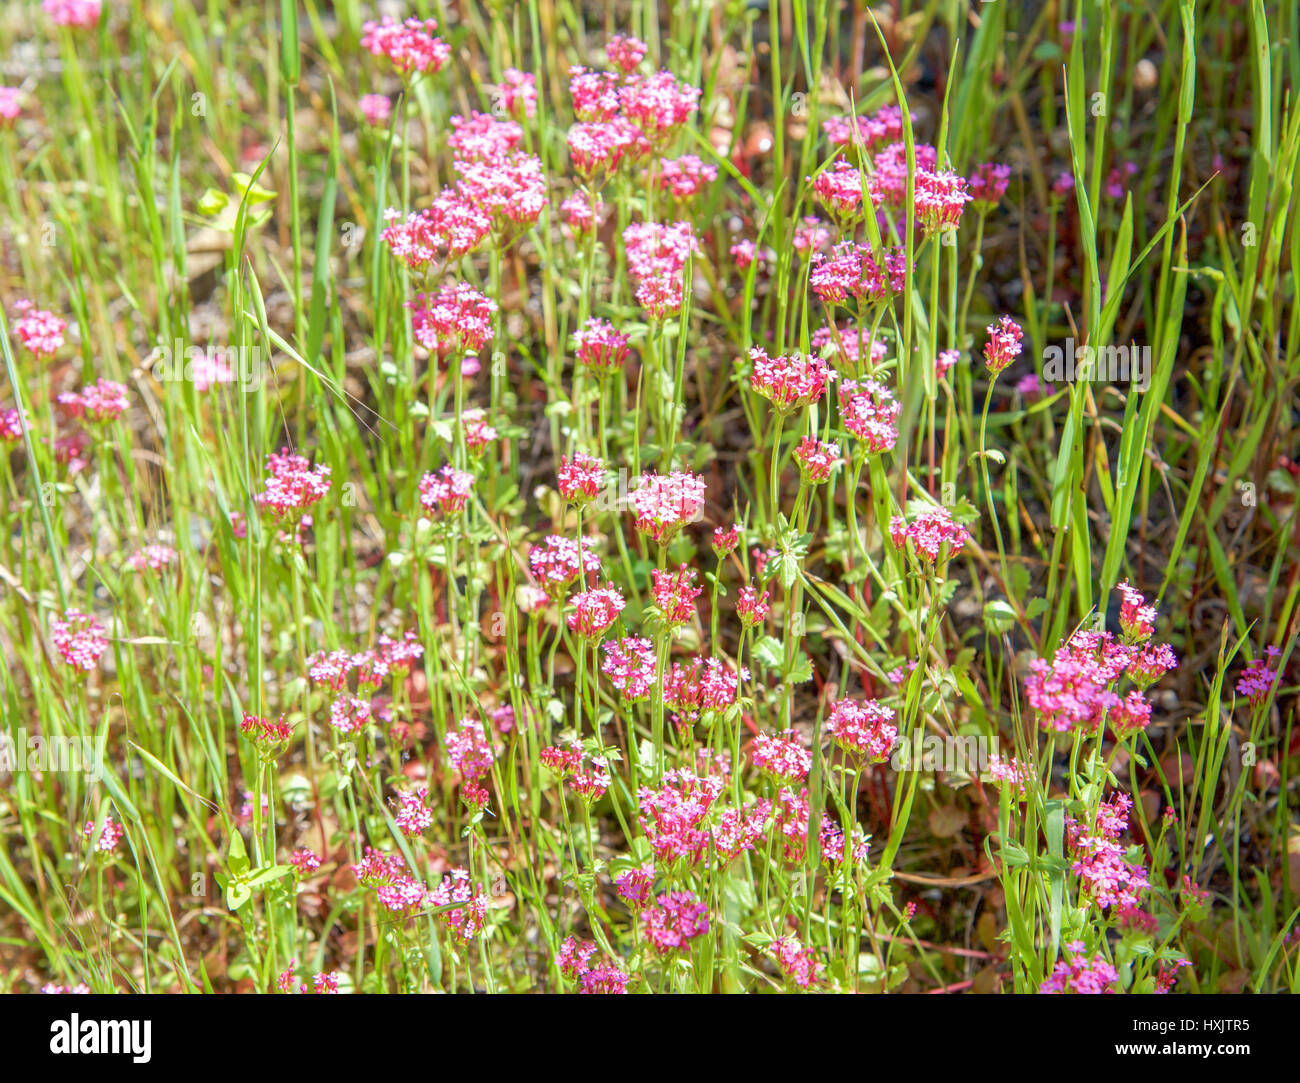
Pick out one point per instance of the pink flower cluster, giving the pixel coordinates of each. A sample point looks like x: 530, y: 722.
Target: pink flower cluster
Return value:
x: 1003, y: 345
x: 595, y: 611
x: 446, y: 491
x: 863, y: 728
x: 885, y: 124
x: 929, y: 533
x: 664, y: 503
x: 39, y: 331
x: 455, y: 321
x: 104, y: 400
x: 851, y: 271
x: 1080, y: 974
x: 781, y: 755
x: 108, y: 838
x: 870, y: 413
x: 558, y: 561
x: 685, y: 177
x: 410, y: 46
x: 656, y: 258
x: 675, y: 594
x: 79, y: 639
x: 600, y: 346
x: 677, y: 918
x: 788, y: 382
x: 630, y: 665
x: 1108, y: 879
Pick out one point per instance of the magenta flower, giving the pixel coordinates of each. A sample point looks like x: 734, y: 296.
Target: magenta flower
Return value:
x: 410, y: 46
x: 39, y: 331
x: 630, y: 665
x: 781, y: 755
x: 446, y: 492
x: 79, y: 639
x: 816, y: 460
x: 788, y: 382
x: 677, y: 919
x: 864, y: 728
x: 104, y: 400
x: 664, y: 503
x: 595, y: 611
x: 933, y: 534
x: 376, y: 108
x: 1080, y: 974
x: 600, y: 346
x: 292, y: 484
x: 870, y: 413
x: 109, y: 836
x: 1003, y: 345
x: 675, y: 594
x: 580, y: 478
x: 625, y: 52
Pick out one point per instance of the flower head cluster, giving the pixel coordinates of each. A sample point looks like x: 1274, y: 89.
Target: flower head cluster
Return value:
x: 153, y: 558
x: 933, y: 534
x: 658, y: 104
x: 885, y: 125
x: 988, y: 184
x: 1080, y: 974
x: 816, y: 459
x: 788, y: 382
x: 481, y: 137
x: 781, y: 755
x: 685, y: 177
x: 656, y: 258
x: 558, y: 561
x: 455, y: 321
x: 446, y: 491
x: 864, y: 728
x: 595, y: 611
x: 940, y: 198
x: 516, y: 94
x: 1003, y: 345
x: 104, y: 400
x: 675, y: 594
x: 466, y: 921
x: 889, y: 172
x: 836, y: 850
x: 269, y: 737
x: 39, y: 331
x: 797, y: 962
x: 1259, y: 677
x: 304, y: 862
x: 79, y: 638
x: 630, y: 665
x: 752, y: 606
x: 73, y: 13
x: 600, y: 346
x: 387, y: 875
x: 851, y: 271
x: 635, y: 886
x: 410, y: 46
x: 674, y: 816
x: 413, y: 812
x: 580, y: 478
x: 677, y: 918
x: 625, y: 52
x: 469, y: 749
x: 109, y: 836
x: 292, y: 484
x: 664, y: 503
x: 581, y: 212
x: 376, y: 108
x: 698, y: 686
x: 1108, y: 878
x: 870, y: 413
x: 840, y: 188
